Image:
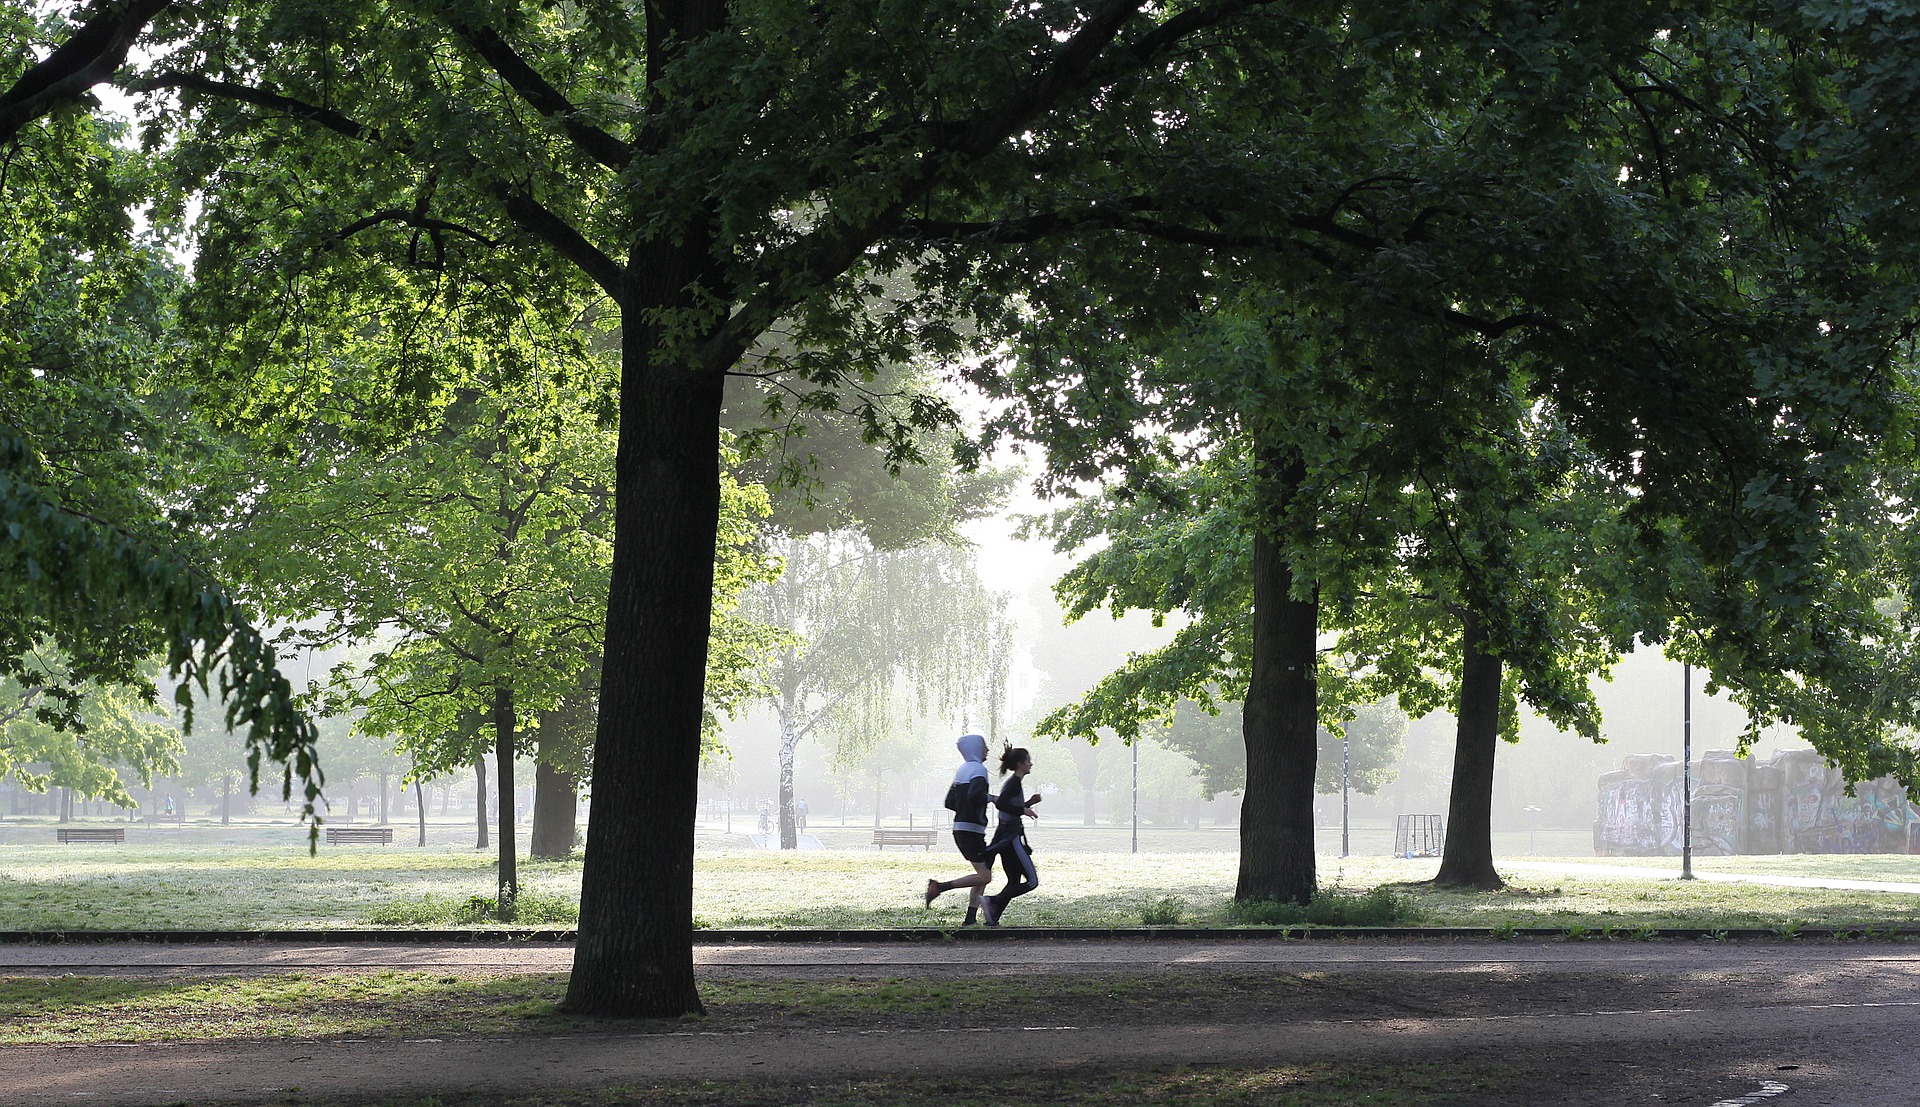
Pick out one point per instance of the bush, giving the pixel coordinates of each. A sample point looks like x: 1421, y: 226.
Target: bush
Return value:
x: 1331, y: 907
x: 1165, y: 911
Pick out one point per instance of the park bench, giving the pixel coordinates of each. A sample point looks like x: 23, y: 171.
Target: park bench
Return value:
x: 885, y: 836
x: 337, y: 835
x: 116, y: 835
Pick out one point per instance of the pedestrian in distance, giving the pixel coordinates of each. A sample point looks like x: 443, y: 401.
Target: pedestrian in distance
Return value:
x: 967, y: 798
x: 1010, y: 836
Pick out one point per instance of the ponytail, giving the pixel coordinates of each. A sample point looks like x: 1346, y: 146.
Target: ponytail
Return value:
x: 1010, y: 757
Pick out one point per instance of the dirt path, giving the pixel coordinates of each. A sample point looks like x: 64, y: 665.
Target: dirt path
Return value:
x: 1598, y: 1023
x: 803, y: 959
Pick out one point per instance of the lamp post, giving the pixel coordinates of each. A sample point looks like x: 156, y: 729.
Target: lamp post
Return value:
x: 1135, y: 745
x: 1531, y: 809
x: 1686, y: 771
x: 1346, y: 765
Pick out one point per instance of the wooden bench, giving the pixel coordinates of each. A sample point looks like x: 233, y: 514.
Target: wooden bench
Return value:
x: 116, y: 835
x: 894, y: 836
x: 337, y: 835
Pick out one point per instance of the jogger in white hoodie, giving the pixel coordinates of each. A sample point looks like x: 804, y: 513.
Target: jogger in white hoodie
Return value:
x: 967, y: 798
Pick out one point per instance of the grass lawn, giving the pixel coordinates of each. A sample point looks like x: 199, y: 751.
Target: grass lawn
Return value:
x: 154, y: 883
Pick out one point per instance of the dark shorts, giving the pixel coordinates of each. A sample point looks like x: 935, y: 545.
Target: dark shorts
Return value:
x: 972, y: 843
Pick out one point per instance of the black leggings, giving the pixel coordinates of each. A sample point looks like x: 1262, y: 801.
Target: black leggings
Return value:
x: 1022, y: 877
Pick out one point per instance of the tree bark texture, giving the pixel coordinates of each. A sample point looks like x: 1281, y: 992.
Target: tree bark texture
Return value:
x: 634, y: 955
x: 480, y: 801
x: 504, y: 751
x: 1467, y: 859
x: 1280, y: 726
x: 789, y: 745
x: 556, y: 801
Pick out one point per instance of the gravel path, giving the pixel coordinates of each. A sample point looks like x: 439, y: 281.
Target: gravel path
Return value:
x: 1604, y: 1023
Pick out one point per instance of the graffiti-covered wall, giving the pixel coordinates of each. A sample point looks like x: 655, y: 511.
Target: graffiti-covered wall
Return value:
x: 1794, y: 803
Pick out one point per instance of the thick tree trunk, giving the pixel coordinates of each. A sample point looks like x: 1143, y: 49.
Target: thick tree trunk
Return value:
x: 634, y: 954
x: 556, y: 799
x: 382, y: 821
x: 1467, y: 859
x: 508, y: 899
x: 1280, y: 727
x: 480, y: 801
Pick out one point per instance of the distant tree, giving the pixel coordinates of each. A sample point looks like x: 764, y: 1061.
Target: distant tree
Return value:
x: 1371, y: 743
x: 868, y: 628
x: 46, y: 741
x: 475, y: 558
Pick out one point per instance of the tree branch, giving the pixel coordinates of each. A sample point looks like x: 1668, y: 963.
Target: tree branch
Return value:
x: 566, y: 241
x: 545, y: 99
x: 258, y: 97
x: 520, y: 207
x: 410, y: 218
x: 802, y: 268
x: 1034, y: 228
x: 88, y: 58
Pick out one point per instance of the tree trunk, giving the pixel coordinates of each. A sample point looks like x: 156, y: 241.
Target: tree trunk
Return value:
x: 420, y: 808
x: 1280, y: 725
x: 508, y: 899
x: 556, y: 801
x: 634, y: 954
x: 226, y: 797
x: 1467, y: 859
x: 382, y: 821
x: 480, y: 801
x: 789, y: 743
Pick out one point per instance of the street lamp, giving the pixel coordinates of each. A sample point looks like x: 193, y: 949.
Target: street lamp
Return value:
x: 1686, y: 771
x: 1135, y: 744
x: 1346, y: 765
x: 1531, y: 809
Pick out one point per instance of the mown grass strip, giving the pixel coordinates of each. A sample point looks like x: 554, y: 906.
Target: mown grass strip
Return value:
x: 265, y: 887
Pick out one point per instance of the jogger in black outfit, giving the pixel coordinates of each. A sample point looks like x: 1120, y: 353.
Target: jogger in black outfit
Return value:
x: 1010, y: 836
